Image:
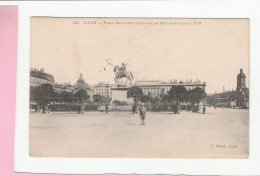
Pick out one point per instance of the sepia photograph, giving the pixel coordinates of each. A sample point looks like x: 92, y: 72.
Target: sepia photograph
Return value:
x: 139, y: 87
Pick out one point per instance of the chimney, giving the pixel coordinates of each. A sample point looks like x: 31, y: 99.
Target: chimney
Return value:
x: 42, y: 70
x: 223, y: 88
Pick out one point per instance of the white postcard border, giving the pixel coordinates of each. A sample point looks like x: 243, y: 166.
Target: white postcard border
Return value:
x: 194, y: 9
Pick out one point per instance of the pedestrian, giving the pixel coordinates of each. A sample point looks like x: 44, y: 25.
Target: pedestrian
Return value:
x: 204, y: 109
x: 134, y: 109
x: 142, y: 110
x: 106, y: 107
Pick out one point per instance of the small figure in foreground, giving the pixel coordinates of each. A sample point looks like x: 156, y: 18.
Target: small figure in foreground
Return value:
x: 204, y: 109
x: 142, y: 110
x: 106, y: 107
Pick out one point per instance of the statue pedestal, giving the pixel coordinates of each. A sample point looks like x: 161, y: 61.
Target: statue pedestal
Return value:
x: 119, y: 93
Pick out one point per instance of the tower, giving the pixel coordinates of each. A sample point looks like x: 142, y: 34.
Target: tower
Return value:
x: 241, y: 81
x: 80, y: 77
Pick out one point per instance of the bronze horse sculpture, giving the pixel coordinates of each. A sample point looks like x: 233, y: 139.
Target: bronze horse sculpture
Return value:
x: 122, y: 74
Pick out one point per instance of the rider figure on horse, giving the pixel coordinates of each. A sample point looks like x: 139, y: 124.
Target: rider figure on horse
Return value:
x: 120, y: 72
x: 123, y: 68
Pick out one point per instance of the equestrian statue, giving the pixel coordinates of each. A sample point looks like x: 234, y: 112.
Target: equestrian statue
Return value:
x: 120, y: 72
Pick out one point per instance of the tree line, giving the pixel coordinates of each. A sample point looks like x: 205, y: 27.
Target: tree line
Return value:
x: 46, y: 94
x: 176, y: 95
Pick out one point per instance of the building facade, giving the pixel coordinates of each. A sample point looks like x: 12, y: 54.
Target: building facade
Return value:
x: 66, y: 87
x: 223, y: 99
x: 156, y: 88
x: 103, y: 89
x: 39, y: 77
x: 235, y: 98
x: 151, y: 87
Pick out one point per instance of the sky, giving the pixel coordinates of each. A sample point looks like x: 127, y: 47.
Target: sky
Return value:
x: 211, y: 50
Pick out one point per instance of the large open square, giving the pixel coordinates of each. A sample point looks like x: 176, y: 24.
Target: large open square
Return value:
x: 220, y: 133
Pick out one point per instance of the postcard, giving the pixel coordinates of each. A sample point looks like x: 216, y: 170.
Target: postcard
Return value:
x: 139, y: 88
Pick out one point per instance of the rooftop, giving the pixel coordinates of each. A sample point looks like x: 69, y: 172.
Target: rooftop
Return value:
x: 41, y: 74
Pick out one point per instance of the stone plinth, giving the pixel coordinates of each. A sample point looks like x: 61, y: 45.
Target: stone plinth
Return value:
x: 119, y: 93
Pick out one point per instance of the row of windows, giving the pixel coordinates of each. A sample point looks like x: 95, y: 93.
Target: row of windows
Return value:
x: 103, y: 93
x: 102, y: 89
x: 162, y: 89
x: 152, y: 93
x: 144, y: 89
x: 62, y: 90
x: 39, y: 82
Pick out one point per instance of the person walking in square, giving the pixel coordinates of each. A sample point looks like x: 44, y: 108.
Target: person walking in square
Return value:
x: 142, y: 110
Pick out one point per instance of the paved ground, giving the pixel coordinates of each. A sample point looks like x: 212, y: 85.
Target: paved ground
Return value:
x: 217, y: 134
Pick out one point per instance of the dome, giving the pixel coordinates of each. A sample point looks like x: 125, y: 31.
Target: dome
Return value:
x: 81, y: 84
x: 81, y: 81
